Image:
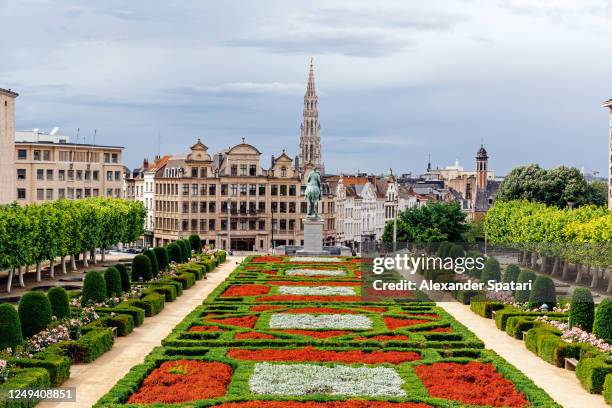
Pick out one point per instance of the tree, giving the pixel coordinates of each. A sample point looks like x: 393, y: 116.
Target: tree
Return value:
x: 10, y: 327
x: 112, y: 278
x: 34, y: 312
x: 161, y: 253
x: 125, y: 277
x: 94, y: 288
x: 435, y: 222
x: 196, y: 243
x: 175, y: 252
x: 153, y: 259
x: 512, y: 273
x: 543, y: 292
x: 525, y: 277
x: 602, y: 327
x: 491, y: 270
x: 582, y: 309
x: 141, y: 268
x: 60, y: 305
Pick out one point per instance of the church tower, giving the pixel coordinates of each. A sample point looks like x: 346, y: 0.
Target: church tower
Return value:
x: 7, y: 146
x: 482, y: 168
x: 310, y: 130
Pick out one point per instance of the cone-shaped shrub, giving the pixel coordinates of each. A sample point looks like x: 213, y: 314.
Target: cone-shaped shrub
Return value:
x: 186, y: 249
x: 582, y: 310
x: 491, y: 271
x: 474, y: 270
x: 443, y: 249
x: 154, y: 264
x: 141, y: 268
x: 196, y: 243
x: 60, y: 305
x: 543, y: 292
x: 456, y: 251
x: 602, y: 328
x: 161, y: 253
x: 34, y: 312
x: 112, y: 277
x: 10, y: 327
x: 94, y: 288
x: 522, y: 296
x: 511, y: 274
x: 175, y: 252
x: 125, y: 277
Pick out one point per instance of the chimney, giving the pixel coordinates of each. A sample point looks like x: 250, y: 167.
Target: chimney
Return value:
x: 272, y: 162
x: 145, y: 164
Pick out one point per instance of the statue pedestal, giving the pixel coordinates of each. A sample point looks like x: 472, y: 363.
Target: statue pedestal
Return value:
x: 313, y: 237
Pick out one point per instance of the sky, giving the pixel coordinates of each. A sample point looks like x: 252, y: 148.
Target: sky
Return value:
x: 396, y: 80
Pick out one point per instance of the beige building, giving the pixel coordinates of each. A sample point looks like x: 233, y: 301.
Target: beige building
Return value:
x: 608, y: 104
x: 7, y: 145
x: 49, y: 167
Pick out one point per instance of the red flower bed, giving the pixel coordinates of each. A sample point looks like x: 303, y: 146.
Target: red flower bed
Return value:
x: 374, y: 309
x: 270, y: 272
x: 385, y: 337
x: 317, y: 404
x: 263, y: 259
x: 331, y: 310
x: 442, y: 330
x: 307, y: 298
x: 395, y: 323
x: 307, y: 283
x: 253, y: 335
x: 182, y: 381
x: 472, y: 383
x: 315, y: 333
x: 205, y: 329
x: 246, y: 290
x: 244, y: 321
x: 432, y: 315
x: 262, y: 308
x: 310, y: 353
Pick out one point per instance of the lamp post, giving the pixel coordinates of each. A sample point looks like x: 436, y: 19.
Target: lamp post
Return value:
x: 395, y: 206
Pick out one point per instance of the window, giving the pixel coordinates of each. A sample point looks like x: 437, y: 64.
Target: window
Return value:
x: 283, y: 171
x: 194, y: 189
x: 274, y: 206
x: 61, y: 175
x: 106, y: 157
x: 261, y: 206
x: 87, y: 175
x: 243, y: 224
x: 262, y: 189
x: 87, y: 192
x: 292, y: 207
x: 223, y: 189
x: 114, y: 157
x: 211, y: 207
x: 252, y: 189
x: 194, y: 207
x: 211, y: 225
x: 233, y: 189
x: 223, y: 225
x: 184, y: 225
x: 185, y: 189
x: 202, y: 225
x: 243, y: 169
x: 96, y: 175
x: 283, y: 190
x: 243, y: 189
x: 274, y: 189
x: 262, y: 225
x: 40, y: 174
x: 234, y: 170
x: 21, y: 174
x: 79, y: 193
x: 292, y: 190
x: 61, y: 193
x: 203, y: 189
x: 70, y: 175
x: 22, y: 154
x: 203, y: 173
x: 40, y: 194
x: 252, y: 170
x: 46, y: 155
x: 194, y: 172
x: 109, y: 176
x: 202, y: 206
x: 117, y: 175
x: 49, y: 174
x: 283, y: 207
x: 79, y: 175
x: 71, y: 193
x: 21, y: 193
x: 185, y: 207
x: 109, y: 192
x: 194, y: 225
x: 212, y: 189
x: 36, y: 154
x: 303, y: 208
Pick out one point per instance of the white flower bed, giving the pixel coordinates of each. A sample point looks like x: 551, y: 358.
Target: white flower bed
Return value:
x: 322, y: 321
x: 307, y: 379
x: 313, y: 259
x: 314, y: 272
x: 317, y: 290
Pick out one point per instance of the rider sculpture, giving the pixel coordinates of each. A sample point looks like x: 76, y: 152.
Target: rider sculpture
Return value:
x: 313, y: 193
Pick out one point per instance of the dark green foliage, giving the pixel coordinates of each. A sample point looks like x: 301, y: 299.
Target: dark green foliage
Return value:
x: 34, y: 378
x: 175, y: 252
x: 516, y: 325
x: 456, y: 251
x: 443, y: 249
x: 196, y: 243
x: 125, y: 277
x: 543, y: 292
x: 592, y: 372
x: 185, y: 249
x: 141, y: 268
x: 53, y: 359
x: 161, y: 253
x: 602, y: 327
x: 152, y: 304
x: 472, y: 268
x: 94, y: 288
x: 485, y: 308
x: 512, y: 273
x: 168, y: 291
x: 10, y: 327
x: 124, y: 323
x: 60, y: 305
x: 582, y: 310
x: 112, y: 277
x: 90, y: 346
x: 522, y: 296
x: 153, y: 259
x: 491, y: 271
x: 466, y: 296
x: 221, y: 256
x: 607, y: 389
x: 187, y: 279
x: 34, y: 312
x: 138, y: 315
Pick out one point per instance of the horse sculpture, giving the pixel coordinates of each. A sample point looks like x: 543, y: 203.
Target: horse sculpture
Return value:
x: 313, y: 193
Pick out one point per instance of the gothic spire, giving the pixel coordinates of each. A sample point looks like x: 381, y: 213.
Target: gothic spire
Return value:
x: 310, y: 89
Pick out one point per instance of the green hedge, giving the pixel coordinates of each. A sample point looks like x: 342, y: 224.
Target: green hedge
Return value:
x: 125, y: 277
x: 582, y: 310
x: 153, y: 259
x: 24, y: 378
x: 175, y: 253
x: 502, y: 316
x: 152, y: 303
x: 522, y: 296
x: 60, y: 305
x: 485, y: 308
x: 186, y: 279
x: 90, y: 346
x: 169, y: 291
x: 197, y: 269
x: 607, y: 389
x: 602, y: 327
x: 466, y: 296
x: 592, y: 372
x: 491, y: 271
x: 94, y: 288
x: 177, y: 285
x: 195, y: 242
x: 112, y: 277
x: 137, y: 313
x: 123, y: 322
x: 516, y: 325
x: 53, y: 359
x: 543, y: 292
x: 141, y: 268
x: 10, y: 327
x: 34, y: 312
x: 161, y: 253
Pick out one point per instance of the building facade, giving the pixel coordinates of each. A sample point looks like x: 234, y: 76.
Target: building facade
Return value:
x: 7, y: 145
x: 49, y: 167
x: 608, y: 104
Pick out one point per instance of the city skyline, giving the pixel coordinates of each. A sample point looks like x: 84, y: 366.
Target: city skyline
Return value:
x: 384, y: 80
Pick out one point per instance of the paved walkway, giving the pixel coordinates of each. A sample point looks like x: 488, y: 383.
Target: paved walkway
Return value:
x: 94, y: 380
x: 562, y: 385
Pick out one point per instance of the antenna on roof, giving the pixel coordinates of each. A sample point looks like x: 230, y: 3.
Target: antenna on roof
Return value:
x: 78, y: 132
x: 158, y: 142
x: 94, y: 137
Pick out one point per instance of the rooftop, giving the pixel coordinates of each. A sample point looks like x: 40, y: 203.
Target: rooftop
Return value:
x: 8, y: 92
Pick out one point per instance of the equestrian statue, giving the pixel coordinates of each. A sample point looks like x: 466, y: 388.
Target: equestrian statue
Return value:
x: 313, y: 193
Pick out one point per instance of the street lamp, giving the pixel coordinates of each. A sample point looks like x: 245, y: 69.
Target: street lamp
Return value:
x: 395, y: 206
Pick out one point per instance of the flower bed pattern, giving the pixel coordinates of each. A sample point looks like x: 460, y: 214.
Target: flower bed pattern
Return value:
x: 314, y: 272
x: 324, y: 321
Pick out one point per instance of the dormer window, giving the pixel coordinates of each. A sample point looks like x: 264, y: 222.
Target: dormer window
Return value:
x: 252, y: 170
x: 283, y: 171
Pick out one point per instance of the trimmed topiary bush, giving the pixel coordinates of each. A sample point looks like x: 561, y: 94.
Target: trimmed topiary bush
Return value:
x: 473, y: 270
x: 141, y: 268
x: 602, y: 327
x: 10, y: 327
x: 175, y: 252
x: 582, y: 310
x: 125, y: 277
x: 456, y: 251
x: 607, y: 389
x: 196, y: 243
x: 60, y: 305
x: 163, y: 260
x: 154, y: 264
x: 511, y: 274
x: 443, y: 249
x: 186, y: 249
x: 112, y: 277
x: 543, y: 292
x: 522, y: 296
x: 491, y: 270
x: 34, y: 312
x: 94, y: 288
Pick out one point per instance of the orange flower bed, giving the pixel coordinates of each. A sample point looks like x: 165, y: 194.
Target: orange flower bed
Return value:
x: 317, y: 404
x: 244, y: 321
x: 374, y: 309
x: 263, y: 308
x: 253, y: 335
x: 246, y: 290
x: 307, y: 298
x: 310, y: 353
x: 395, y: 323
x: 442, y: 330
x: 307, y: 283
x: 263, y: 259
x: 182, y: 381
x: 315, y: 333
x: 385, y: 337
x: 205, y: 329
x: 472, y: 383
x: 432, y: 315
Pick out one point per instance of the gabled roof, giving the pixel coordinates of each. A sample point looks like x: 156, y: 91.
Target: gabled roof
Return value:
x: 199, y: 145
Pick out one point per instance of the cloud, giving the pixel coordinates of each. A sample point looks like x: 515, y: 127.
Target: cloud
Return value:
x: 238, y: 89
